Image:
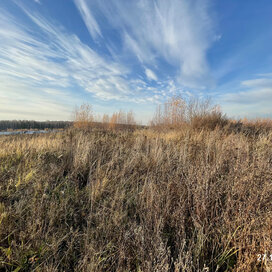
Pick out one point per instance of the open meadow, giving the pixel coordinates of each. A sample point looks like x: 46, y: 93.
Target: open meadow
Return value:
x: 136, y: 200
x: 135, y: 136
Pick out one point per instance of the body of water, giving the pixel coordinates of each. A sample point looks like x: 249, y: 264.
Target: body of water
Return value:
x: 25, y: 132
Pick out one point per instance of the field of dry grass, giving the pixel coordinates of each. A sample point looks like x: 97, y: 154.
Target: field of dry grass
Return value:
x: 143, y: 200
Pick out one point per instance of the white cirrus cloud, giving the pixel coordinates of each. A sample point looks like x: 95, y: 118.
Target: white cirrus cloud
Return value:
x: 46, y: 64
x: 88, y: 18
x: 150, y: 74
x: 62, y: 61
x: 252, y: 99
x: 178, y: 31
x: 258, y: 82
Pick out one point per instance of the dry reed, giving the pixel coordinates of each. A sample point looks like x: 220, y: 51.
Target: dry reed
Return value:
x: 186, y: 200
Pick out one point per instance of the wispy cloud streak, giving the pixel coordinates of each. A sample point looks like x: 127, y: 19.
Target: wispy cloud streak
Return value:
x: 88, y: 18
x: 64, y: 61
x: 252, y: 99
x: 46, y: 62
x: 178, y: 31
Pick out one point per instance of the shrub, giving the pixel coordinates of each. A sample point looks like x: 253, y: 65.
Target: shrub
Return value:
x: 83, y: 116
x: 178, y: 113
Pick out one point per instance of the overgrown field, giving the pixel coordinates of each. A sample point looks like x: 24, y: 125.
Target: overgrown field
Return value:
x: 189, y: 200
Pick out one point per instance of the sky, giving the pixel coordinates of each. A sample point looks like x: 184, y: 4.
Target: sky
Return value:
x: 133, y: 55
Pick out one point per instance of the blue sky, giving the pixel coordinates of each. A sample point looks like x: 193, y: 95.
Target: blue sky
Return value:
x: 120, y: 54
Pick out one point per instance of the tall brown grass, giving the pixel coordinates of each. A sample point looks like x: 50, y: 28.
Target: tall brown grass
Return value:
x: 84, y: 118
x: 143, y: 200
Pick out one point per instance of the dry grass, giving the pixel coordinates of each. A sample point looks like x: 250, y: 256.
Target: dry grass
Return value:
x: 84, y: 118
x: 192, y: 200
x: 178, y: 113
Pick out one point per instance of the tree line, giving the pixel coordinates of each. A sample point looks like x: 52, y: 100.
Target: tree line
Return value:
x: 29, y: 124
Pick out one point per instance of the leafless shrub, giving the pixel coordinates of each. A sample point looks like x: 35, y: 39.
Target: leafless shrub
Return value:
x: 83, y: 116
x: 122, y: 119
x: 197, y: 113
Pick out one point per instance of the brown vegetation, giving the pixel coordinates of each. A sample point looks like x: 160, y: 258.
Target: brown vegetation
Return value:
x: 84, y: 118
x: 144, y: 200
x: 177, y: 113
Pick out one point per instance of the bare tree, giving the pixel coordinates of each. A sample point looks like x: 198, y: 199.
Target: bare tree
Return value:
x: 83, y: 116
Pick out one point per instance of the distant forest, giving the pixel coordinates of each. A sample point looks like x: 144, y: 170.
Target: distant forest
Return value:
x: 26, y: 124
